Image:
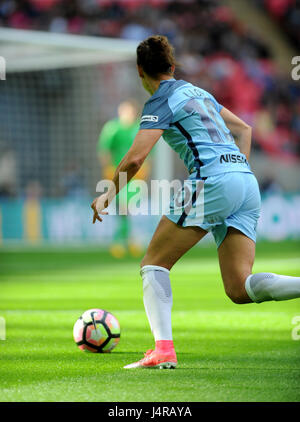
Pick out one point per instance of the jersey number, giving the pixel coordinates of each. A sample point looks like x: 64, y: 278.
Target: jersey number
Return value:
x: 210, y: 119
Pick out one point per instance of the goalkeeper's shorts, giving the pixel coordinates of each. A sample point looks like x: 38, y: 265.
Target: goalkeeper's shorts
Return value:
x: 226, y: 200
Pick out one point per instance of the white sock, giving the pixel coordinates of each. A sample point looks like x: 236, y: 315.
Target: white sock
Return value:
x: 262, y: 287
x: 158, y: 300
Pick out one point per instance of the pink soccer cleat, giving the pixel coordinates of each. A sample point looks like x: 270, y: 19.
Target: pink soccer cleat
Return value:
x: 156, y: 359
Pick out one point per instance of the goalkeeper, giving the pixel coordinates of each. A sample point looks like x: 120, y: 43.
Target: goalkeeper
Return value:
x: 114, y: 141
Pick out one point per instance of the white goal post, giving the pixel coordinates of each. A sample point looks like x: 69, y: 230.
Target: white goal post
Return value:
x: 37, y: 50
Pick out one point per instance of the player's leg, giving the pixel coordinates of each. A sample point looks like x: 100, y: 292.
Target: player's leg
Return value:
x: 134, y: 247
x: 236, y: 257
x: 123, y: 239
x: 118, y: 247
x: 169, y: 243
x: 120, y: 236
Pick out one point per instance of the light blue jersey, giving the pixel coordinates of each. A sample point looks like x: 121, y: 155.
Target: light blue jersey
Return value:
x: 194, y: 128
x: 221, y: 190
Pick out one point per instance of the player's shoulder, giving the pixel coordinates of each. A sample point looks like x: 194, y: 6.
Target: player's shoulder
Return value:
x: 109, y: 129
x: 160, y: 99
x: 112, y: 123
x: 165, y: 90
x: 187, y: 91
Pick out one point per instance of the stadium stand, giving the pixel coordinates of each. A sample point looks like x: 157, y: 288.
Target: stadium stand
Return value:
x: 215, y: 49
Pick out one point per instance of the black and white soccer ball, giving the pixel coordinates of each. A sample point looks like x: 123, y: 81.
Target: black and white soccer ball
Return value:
x: 97, y: 330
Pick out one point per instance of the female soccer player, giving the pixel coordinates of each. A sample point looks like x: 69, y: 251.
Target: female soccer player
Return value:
x: 224, y: 194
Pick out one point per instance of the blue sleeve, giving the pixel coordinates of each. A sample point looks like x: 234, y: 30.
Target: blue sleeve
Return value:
x: 156, y: 114
x: 217, y: 105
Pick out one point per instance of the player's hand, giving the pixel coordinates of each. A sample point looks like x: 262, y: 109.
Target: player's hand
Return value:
x: 98, y: 205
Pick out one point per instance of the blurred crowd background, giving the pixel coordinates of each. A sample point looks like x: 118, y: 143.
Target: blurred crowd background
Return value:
x: 216, y: 50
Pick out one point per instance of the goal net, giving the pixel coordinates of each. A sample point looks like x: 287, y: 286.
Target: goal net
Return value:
x: 58, y: 93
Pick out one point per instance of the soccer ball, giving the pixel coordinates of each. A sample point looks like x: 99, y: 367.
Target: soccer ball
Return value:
x: 96, y: 331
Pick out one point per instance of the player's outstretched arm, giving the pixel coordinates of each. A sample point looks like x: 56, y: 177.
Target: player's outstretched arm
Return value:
x: 239, y: 129
x: 130, y: 164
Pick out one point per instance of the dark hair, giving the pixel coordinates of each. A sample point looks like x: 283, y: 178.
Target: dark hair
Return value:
x: 156, y: 56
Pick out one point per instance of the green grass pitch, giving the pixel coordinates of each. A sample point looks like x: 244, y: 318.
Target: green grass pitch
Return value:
x: 226, y: 352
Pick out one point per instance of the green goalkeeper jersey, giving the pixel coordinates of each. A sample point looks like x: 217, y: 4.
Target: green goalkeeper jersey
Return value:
x: 117, y: 138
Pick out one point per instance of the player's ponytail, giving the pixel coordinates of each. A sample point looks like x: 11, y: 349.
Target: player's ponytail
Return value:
x: 156, y: 56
